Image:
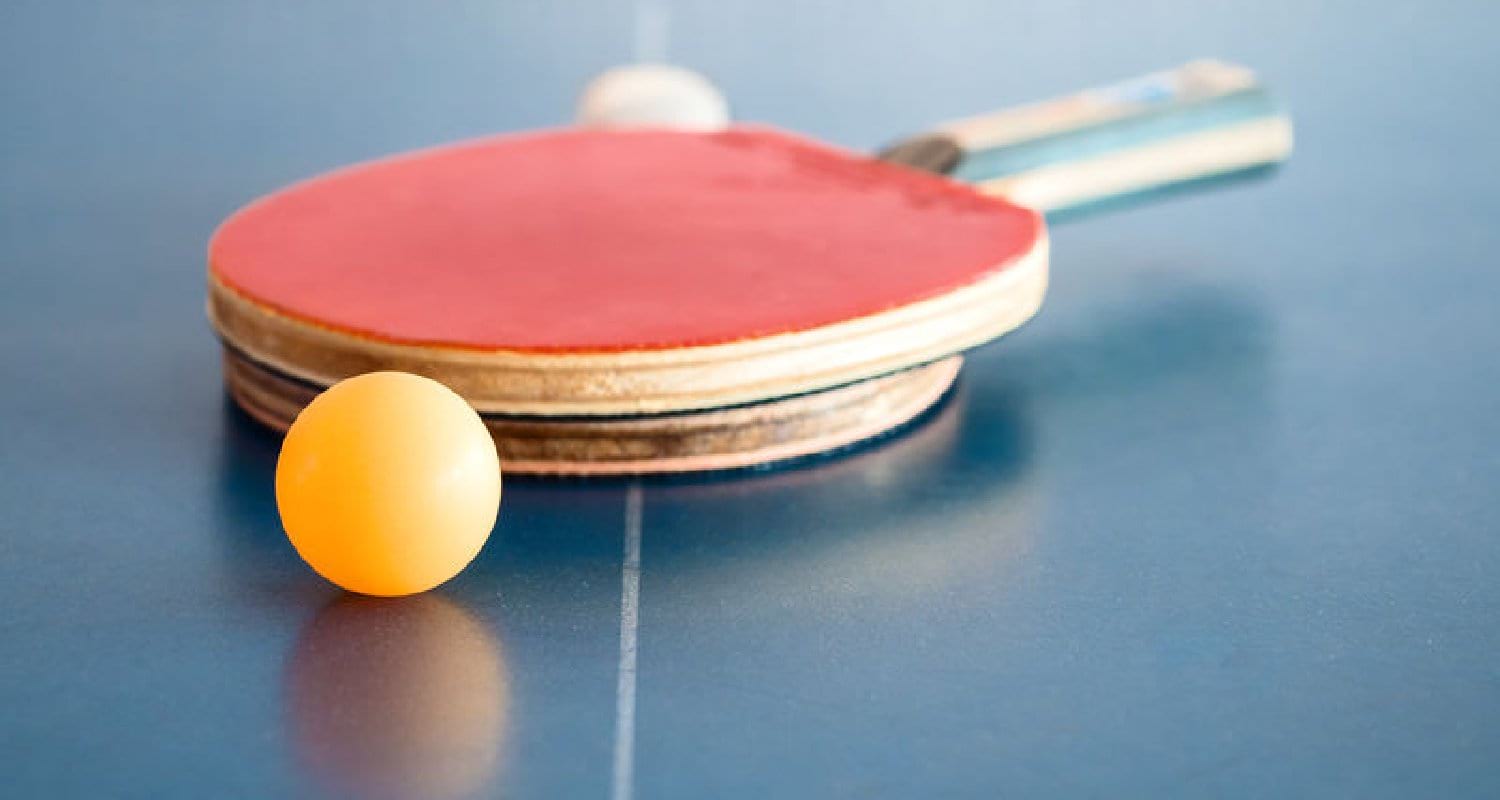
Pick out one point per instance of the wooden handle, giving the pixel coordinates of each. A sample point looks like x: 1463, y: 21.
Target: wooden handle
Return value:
x: 1200, y: 121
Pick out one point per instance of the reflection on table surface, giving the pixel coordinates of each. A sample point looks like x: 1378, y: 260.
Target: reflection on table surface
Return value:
x: 397, y: 698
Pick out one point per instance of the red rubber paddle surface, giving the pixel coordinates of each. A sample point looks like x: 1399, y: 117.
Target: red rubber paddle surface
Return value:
x: 578, y: 241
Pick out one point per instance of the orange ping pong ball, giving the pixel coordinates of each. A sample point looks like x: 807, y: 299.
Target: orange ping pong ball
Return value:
x: 388, y: 484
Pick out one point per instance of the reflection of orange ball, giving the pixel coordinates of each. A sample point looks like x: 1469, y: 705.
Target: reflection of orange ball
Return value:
x: 398, y: 698
x: 388, y: 484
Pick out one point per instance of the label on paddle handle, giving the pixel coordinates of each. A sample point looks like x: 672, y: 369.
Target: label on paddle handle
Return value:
x: 1195, y: 81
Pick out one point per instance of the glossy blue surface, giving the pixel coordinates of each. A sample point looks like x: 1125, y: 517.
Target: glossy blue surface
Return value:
x: 1221, y: 522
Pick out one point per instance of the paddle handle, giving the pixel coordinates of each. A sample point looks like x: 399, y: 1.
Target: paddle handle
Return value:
x: 1202, y: 121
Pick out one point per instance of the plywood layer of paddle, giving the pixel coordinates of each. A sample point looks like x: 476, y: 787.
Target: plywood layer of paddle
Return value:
x: 706, y: 440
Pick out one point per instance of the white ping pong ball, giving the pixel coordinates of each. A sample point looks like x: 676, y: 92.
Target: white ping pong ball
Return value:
x: 652, y: 96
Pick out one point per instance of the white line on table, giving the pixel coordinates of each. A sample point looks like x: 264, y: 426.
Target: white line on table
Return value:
x: 630, y: 619
x: 653, y: 25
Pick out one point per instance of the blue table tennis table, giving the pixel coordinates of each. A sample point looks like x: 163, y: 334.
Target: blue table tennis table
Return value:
x: 1223, y: 521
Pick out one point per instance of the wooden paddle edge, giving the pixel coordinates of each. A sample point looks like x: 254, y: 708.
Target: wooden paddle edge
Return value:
x: 718, y: 439
x: 651, y: 381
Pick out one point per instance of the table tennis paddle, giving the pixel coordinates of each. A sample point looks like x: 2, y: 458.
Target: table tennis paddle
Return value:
x: 649, y: 300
